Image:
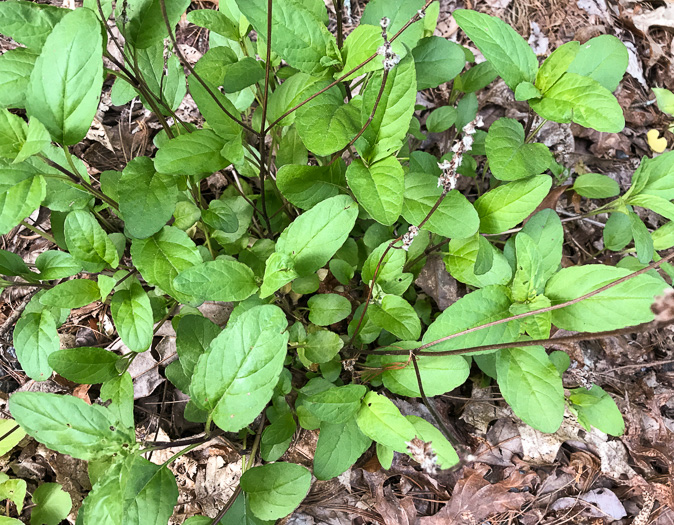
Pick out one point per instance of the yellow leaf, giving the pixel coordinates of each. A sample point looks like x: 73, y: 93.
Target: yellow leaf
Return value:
x: 658, y: 145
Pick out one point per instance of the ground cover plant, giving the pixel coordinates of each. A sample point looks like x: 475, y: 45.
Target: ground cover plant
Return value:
x: 330, y: 213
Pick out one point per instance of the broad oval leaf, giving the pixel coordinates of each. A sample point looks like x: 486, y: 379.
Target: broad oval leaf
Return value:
x: 437, y: 60
x: 87, y: 366
x: 306, y: 186
x: 163, y: 256
x: 378, y: 188
x: 132, y: 313
x: 532, y: 386
x: 446, y: 456
x: 455, y: 217
x: 326, y: 309
x: 88, y: 243
x: 235, y: 379
x: 66, y: 82
x: 35, y: 338
x: 67, y: 424
x: 595, y: 407
x: 397, y: 316
x: 146, y: 198
x: 604, y: 59
x: 196, y: 152
x: 625, y: 304
x: 339, y: 447
x: 398, y: 13
x: 507, y: 52
x: 596, y: 186
x: 20, y: 200
x: 380, y: 420
x: 464, y: 256
x: 219, y: 280
x: 72, y: 294
x: 509, y: 204
x: 15, y: 68
x: 276, y: 489
x: 29, y: 23
x: 337, y: 404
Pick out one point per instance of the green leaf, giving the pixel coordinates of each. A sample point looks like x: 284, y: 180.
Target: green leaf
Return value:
x: 657, y: 176
x: 663, y: 97
x: 443, y: 449
x: 604, y: 59
x: 195, y: 153
x: 325, y: 124
x: 528, y: 281
x: 595, y: 407
x: 145, y: 26
x: 52, y: 504
x: 441, y: 119
x: 220, y: 216
x: 537, y: 326
x: 235, y: 379
x: 622, y: 305
x: 596, y: 186
x: 238, y: 514
x: 526, y: 91
x: 439, y: 374
x: 556, y: 65
x: 545, y: 228
x: 219, y: 280
x: 146, y: 198
x: 132, y: 314
x: 339, y: 446
x: 337, y: 404
x: 397, y: 316
x: 193, y: 337
x: 390, y: 269
x: 12, y: 134
x: 326, y: 309
x: 28, y: 23
x: 477, y: 308
x: 306, y: 186
x: 165, y: 78
x: 532, y: 386
x: 279, y: 270
x: 36, y: 141
x: 618, y: 231
x: 35, y: 338
x: 509, y: 204
x: 119, y: 391
x: 217, y: 119
x: 67, y: 424
x: 509, y: 157
x: 574, y: 98
x: 13, y: 490
x: 72, y: 294
x: 455, y: 217
x: 293, y: 91
x: 394, y: 109
x: 384, y: 456
x: 10, y: 440
x: 292, y: 151
x: 66, y: 82
x: 242, y: 74
x: 322, y: 346
x: 87, y: 366
x: 642, y: 239
x: 508, y: 53
x: 11, y: 264
x: 88, y: 243
x: 314, y: 237
x: 298, y: 35
x: 361, y: 44
x: 462, y: 259
x: 20, y: 200
x: 399, y: 13
x: 663, y: 237
x: 163, y: 256
x: 380, y: 420
x: 275, y: 489
x: 437, y: 60
x: 477, y: 77
x: 655, y: 203
x: 214, y: 21
x: 15, y: 68
x: 378, y: 188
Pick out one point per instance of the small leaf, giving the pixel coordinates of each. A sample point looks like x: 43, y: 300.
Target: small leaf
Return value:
x: 462, y: 258
x: 194, y: 153
x: 397, y: 316
x: 642, y: 238
x: 87, y: 366
x: 67, y: 424
x: 132, y: 314
x: 398, y: 13
x: 443, y: 449
x: 322, y: 346
x: 657, y: 145
x: 275, y: 489
x: 437, y: 60
x: 72, y: 294
x: 604, y: 59
x: 52, y: 504
x: 219, y: 280
x: 596, y: 186
x: 306, y: 186
x: 15, y: 68
x: 220, y: 216
x: 11, y: 264
x: 380, y: 420
x: 11, y: 438
x: 532, y: 386
x: 441, y: 119
x: 664, y: 99
x: 66, y: 82
x: 145, y: 26
x: 12, y: 134
x: 326, y: 309
x: 37, y: 139
x: 20, y: 200
x: 119, y: 392
x: 339, y: 447
x: 595, y: 407
x: 13, y: 490
x: 88, y: 243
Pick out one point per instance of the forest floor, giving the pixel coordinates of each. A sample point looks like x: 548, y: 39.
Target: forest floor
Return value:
x: 509, y: 473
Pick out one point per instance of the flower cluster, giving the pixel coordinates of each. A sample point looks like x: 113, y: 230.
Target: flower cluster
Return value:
x: 407, y: 239
x: 423, y: 454
x: 449, y: 167
x: 390, y: 58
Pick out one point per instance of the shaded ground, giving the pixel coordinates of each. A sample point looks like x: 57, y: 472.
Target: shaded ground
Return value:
x: 509, y: 473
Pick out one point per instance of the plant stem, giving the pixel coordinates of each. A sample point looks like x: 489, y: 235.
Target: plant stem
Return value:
x: 41, y: 233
